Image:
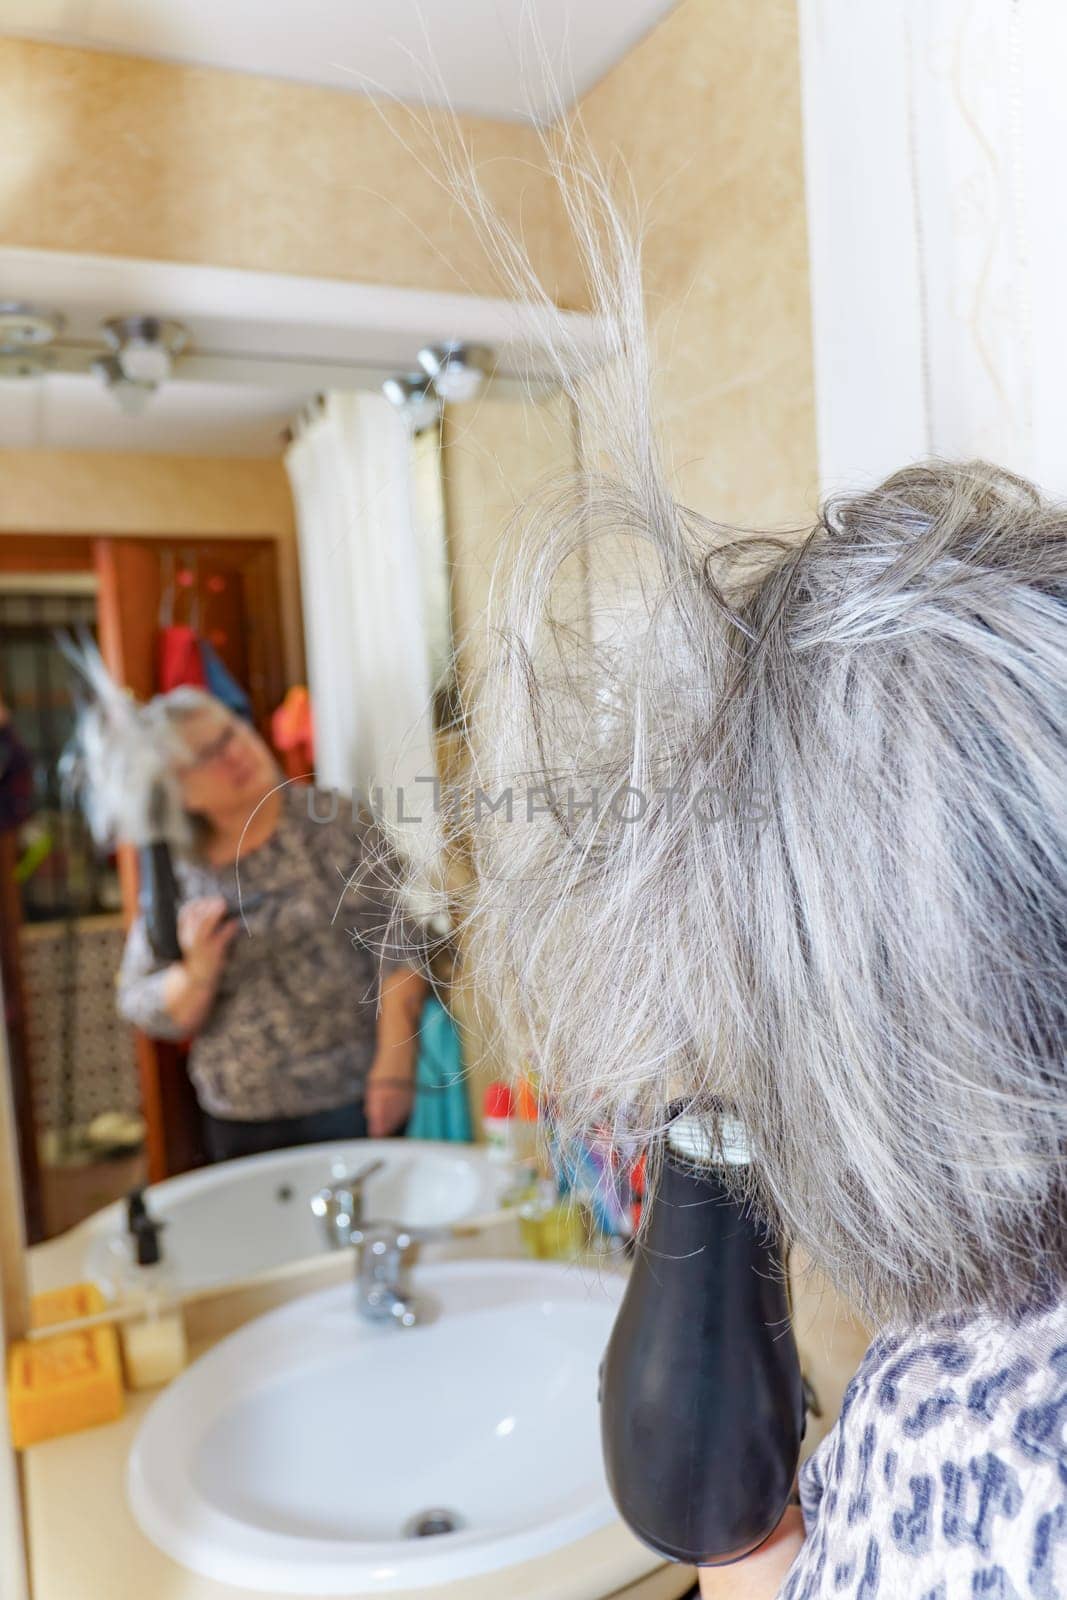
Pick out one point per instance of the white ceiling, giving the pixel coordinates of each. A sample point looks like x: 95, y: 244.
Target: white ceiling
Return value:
x: 500, y: 58
x: 69, y: 412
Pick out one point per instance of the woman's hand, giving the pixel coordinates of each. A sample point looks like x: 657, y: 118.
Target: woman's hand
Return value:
x: 759, y: 1576
x: 205, y: 934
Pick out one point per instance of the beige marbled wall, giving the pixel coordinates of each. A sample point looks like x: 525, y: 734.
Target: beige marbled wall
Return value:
x: 705, y: 112
x: 494, y: 453
x: 122, y: 156
x: 99, y: 491
x: 103, y: 492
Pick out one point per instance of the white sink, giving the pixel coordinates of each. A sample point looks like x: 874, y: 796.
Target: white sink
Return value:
x: 241, y: 1218
x: 291, y: 1458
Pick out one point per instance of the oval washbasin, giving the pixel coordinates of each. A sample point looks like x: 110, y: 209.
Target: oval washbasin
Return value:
x: 297, y: 1456
x: 242, y: 1218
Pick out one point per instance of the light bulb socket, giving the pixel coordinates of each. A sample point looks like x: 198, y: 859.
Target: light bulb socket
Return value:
x: 413, y: 394
x: 457, y: 371
x: 146, y: 347
x: 129, y: 394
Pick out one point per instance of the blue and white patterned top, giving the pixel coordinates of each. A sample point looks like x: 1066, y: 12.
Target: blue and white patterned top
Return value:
x: 945, y: 1477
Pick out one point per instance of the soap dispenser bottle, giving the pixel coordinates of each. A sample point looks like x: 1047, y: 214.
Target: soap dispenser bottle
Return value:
x: 136, y: 1211
x: 702, y: 1398
x: 154, y: 1348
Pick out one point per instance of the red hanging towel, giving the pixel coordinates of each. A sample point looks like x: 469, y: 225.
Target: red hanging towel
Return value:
x: 178, y: 658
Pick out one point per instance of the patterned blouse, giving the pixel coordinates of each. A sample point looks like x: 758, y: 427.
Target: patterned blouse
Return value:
x: 293, y: 1026
x: 945, y: 1477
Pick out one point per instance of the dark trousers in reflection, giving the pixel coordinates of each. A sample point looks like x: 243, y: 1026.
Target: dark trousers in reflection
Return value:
x: 225, y: 1139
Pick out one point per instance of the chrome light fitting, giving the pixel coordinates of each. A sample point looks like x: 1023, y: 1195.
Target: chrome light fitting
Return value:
x: 146, y: 347
x: 143, y: 351
x: 413, y: 394
x: 26, y: 332
x: 457, y: 371
x: 26, y: 327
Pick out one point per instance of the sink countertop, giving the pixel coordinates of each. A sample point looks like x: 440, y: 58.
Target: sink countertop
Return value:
x: 85, y: 1545
x: 83, y: 1540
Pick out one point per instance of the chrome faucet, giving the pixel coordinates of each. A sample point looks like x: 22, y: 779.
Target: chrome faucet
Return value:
x: 339, y: 1204
x: 380, y: 1294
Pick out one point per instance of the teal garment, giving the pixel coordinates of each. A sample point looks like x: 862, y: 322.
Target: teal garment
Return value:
x: 441, y: 1110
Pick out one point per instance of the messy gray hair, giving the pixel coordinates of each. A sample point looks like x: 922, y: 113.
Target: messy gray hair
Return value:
x: 121, y: 764
x: 834, y: 893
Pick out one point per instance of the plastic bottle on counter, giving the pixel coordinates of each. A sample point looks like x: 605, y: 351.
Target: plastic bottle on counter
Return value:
x: 498, y: 1114
x: 525, y: 1126
x: 154, y: 1347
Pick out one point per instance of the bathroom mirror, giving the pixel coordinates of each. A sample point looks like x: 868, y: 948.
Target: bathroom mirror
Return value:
x: 299, y: 534
x: 261, y: 436
x: 80, y: 1069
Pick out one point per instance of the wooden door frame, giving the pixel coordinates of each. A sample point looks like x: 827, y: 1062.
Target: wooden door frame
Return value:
x: 27, y: 554
x: 16, y: 1040
x: 14, y: 1319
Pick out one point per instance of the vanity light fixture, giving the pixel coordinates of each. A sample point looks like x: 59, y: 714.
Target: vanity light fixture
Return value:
x: 413, y: 394
x: 143, y: 352
x: 457, y: 371
x: 146, y: 347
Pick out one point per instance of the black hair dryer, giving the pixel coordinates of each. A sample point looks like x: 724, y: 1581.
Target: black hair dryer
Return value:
x: 157, y: 886
x: 702, y: 1397
x: 158, y: 898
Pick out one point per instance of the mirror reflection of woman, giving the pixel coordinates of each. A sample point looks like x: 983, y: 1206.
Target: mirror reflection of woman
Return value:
x: 300, y: 1029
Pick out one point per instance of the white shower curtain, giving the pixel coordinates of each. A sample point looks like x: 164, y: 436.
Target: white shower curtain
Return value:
x: 350, y: 468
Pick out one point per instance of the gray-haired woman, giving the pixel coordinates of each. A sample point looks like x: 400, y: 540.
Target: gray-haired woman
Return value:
x: 296, y: 984
x: 861, y: 947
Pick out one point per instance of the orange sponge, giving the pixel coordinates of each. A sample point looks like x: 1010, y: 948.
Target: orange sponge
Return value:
x: 68, y: 1382
x: 64, y: 1305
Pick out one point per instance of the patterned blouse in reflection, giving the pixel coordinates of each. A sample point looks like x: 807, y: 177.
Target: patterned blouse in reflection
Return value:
x: 293, y: 1027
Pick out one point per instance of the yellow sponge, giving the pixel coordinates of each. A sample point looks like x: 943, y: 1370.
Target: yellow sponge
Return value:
x: 71, y: 1381
x: 64, y: 1305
